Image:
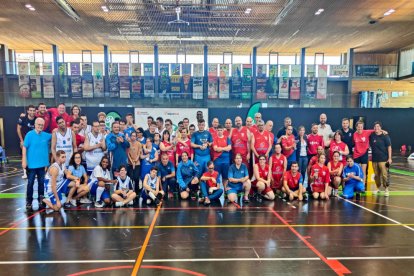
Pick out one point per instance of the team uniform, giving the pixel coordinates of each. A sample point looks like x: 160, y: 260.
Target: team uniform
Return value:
x: 262, y: 142
x: 263, y: 173
x: 61, y: 183
x: 293, y: 181
x: 84, y: 131
x: 170, y: 152
x: 237, y: 173
x: 333, y: 168
x: 361, y: 142
x: 239, y: 143
x: 318, y: 185
x: 124, y: 185
x: 152, y: 182
x: 46, y: 117
x: 170, y: 184
x: 65, y: 143
x: 93, y: 157
x: 184, y: 147
x: 207, y: 185
x: 221, y: 159
x: 54, y: 113
x: 314, y: 141
x: 146, y: 165
x: 291, y: 153
x: 278, y: 167
x: 99, y: 192
x: 348, y: 138
x: 334, y: 146
x: 185, y: 174
x: 201, y: 156
x: 353, y: 185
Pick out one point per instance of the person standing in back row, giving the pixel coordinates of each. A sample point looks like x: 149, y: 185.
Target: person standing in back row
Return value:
x: 25, y: 124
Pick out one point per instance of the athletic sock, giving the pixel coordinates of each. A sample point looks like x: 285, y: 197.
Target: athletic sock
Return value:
x: 99, y: 192
x: 151, y: 195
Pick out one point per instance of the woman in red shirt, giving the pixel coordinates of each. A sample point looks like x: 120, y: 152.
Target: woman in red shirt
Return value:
x: 320, y: 179
x: 335, y: 168
x: 167, y: 147
x: 278, y: 164
x: 340, y: 147
x: 183, y: 145
x: 262, y: 178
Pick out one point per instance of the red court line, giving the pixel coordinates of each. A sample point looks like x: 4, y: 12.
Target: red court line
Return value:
x: 17, y: 223
x: 145, y: 244
x: 335, y: 265
x: 263, y: 208
x: 186, y: 271
x: 406, y: 208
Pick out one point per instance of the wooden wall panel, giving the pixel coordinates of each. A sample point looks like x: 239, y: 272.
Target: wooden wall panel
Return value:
x: 375, y: 59
x: 386, y: 86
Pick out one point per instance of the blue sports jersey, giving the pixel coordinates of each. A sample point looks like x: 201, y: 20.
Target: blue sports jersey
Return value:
x: 238, y: 173
x: 199, y: 138
x: 356, y: 169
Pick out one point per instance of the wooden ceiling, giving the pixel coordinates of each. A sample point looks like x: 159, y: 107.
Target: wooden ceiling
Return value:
x: 223, y: 25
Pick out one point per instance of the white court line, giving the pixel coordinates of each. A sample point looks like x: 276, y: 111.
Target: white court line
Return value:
x: 373, y: 258
x: 378, y: 214
x: 12, y: 188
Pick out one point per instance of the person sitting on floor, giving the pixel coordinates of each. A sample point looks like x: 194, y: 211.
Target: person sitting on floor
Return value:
x: 293, y: 183
x: 79, y: 181
x: 124, y: 192
x: 187, y: 177
x: 239, y: 180
x: 320, y: 179
x: 151, y: 190
x: 261, y: 183
x: 100, y: 177
x: 352, y: 178
x: 210, y: 185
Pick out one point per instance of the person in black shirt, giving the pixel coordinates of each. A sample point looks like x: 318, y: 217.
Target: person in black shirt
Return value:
x: 149, y: 133
x: 282, y: 131
x: 347, y: 134
x: 381, y: 156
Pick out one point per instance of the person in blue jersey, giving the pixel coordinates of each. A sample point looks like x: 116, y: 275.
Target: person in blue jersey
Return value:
x: 352, y: 178
x: 166, y: 171
x: 124, y: 192
x: 201, y: 142
x: 117, y: 146
x: 149, y: 157
x: 221, y: 153
x: 140, y: 136
x: 239, y: 180
x: 187, y: 177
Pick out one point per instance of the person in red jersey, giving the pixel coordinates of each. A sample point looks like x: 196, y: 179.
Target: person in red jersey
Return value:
x: 260, y: 142
x: 240, y: 141
x: 320, y: 179
x: 228, y: 125
x: 221, y: 154
x: 45, y: 115
x: 315, y: 158
x: 293, y: 183
x: 183, y: 145
x: 335, y: 167
x: 339, y: 146
x: 261, y: 181
x: 167, y: 146
x: 250, y: 126
x: 278, y: 163
x: 56, y: 112
x: 213, y: 128
x: 289, y: 146
x: 269, y: 129
x: 80, y: 140
x: 314, y: 141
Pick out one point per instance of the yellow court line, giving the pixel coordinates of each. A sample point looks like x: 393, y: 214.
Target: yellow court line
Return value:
x: 205, y: 226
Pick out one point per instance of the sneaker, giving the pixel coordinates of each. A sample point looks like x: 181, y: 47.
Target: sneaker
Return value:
x: 358, y: 196
x: 131, y: 203
x: 73, y: 202
x: 157, y: 202
x: 246, y: 200
x: 119, y: 204
x: 24, y: 176
x: 149, y: 201
x: 387, y: 192
x: 67, y: 205
x: 376, y: 192
x: 99, y: 204
x: 207, y: 201
x: 201, y: 200
x: 28, y: 206
x: 85, y: 200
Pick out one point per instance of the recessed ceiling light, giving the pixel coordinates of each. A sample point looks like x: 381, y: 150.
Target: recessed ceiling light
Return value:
x: 389, y: 12
x: 105, y: 8
x: 318, y: 12
x: 248, y: 10
x: 28, y: 6
x: 32, y: 9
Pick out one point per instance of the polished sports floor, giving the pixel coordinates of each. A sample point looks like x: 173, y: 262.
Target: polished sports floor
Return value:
x: 370, y: 236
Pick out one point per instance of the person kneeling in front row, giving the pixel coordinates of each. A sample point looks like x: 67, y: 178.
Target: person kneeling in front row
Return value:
x: 187, y: 178
x: 210, y: 185
x: 293, y: 183
x: 239, y: 180
x: 124, y: 192
x: 352, y: 178
x: 101, y: 177
x: 151, y: 190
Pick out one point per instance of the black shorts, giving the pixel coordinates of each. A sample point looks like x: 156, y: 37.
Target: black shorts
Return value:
x: 362, y: 159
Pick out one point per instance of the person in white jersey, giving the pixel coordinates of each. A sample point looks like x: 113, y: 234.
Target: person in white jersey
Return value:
x: 55, y: 182
x: 124, y: 192
x: 63, y: 138
x: 152, y: 191
x: 94, y: 147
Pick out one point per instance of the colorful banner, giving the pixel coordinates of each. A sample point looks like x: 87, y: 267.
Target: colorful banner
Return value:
x: 295, y: 88
x: 187, y: 80
x: 212, y: 81
x: 148, y: 86
x: 321, y: 90
x: 24, y: 86
x: 224, y: 82
x: 98, y: 87
x: 124, y: 69
x: 136, y: 88
x: 261, y: 71
x: 310, y: 71
x: 295, y: 71
x: 113, y: 80
x: 175, y: 79
x: 136, y: 69
x: 98, y: 70
x: 148, y: 69
x: 224, y: 70
x: 124, y: 87
x: 34, y: 68
x: 87, y: 69
x: 283, y: 88
x: 23, y: 68
x: 338, y: 71
x: 284, y: 71
x: 76, y: 86
x: 63, y: 80
x: 87, y: 83
x: 273, y: 82
x: 47, y: 68
x: 198, y: 81
x: 198, y: 70
x: 310, y: 88
x: 164, y: 79
x: 247, y: 81
x: 48, y: 87
x: 261, y: 88
x: 75, y: 69
x: 322, y: 71
x: 35, y: 87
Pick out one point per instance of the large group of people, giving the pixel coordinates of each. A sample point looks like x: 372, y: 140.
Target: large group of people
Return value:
x: 120, y: 164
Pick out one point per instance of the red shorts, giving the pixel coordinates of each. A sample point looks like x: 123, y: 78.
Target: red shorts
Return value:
x: 277, y: 181
x: 316, y: 188
x: 265, y: 191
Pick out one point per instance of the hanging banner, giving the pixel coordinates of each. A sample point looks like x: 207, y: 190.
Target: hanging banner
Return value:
x: 198, y: 81
x: 136, y: 69
x: 76, y: 87
x: 261, y: 71
x: 295, y: 88
x: 47, y: 69
x: 236, y: 81
x: 75, y: 69
x: 113, y: 80
x: 98, y: 82
x: 284, y: 71
x: 247, y: 81
x: 261, y: 81
x: 34, y: 68
x: 283, y: 88
x: 87, y: 69
x: 224, y: 83
x: 310, y: 71
x: 24, y: 86
x: 295, y: 71
x: 338, y: 71
x: 63, y: 80
x: 187, y: 80
x: 35, y: 87
x: 23, y: 68
x: 310, y: 88
x: 124, y: 69
x: 322, y: 88
x: 98, y: 70
x: 175, y: 80
x: 124, y: 87
x: 148, y: 70
x: 322, y: 71
x: 273, y: 82
x: 224, y: 70
x: 48, y: 87
x: 212, y: 81
x: 149, y: 87
x: 164, y: 79
x: 87, y: 85
x: 136, y: 88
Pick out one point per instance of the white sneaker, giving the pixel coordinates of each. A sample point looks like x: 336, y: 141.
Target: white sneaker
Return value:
x: 73, y: 202
x: 149, y: 201
x: 119, y: 204
x: 85, y: 200
x: 387, y: 192
x: 99, y: 204
x: 131, y: 203
x: 24, y: 176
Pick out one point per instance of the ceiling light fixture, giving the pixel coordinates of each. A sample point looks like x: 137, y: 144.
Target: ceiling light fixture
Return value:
x: 247, y: 11
x: 389, y: 12
x: 318, y: 12
x: 30, y: 7
x: 68, y: 9
x: 105, y: 8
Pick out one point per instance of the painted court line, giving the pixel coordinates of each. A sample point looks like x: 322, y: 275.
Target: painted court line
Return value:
x: 17, y: 223
x: 378, y: 214
x: 12, y: 188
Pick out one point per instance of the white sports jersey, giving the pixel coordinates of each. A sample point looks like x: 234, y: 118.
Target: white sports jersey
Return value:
x: 100, y: 172
x: 59, y: 179
x: 93, y: 157
x: 65, y: 143
x: 84, y: 132
x: 152, y: 182
x: 123, y: 185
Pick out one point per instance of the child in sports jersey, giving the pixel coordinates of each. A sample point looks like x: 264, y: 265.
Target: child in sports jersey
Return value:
x: 100, y: 178
x: 152, y: 192
x: 124, y: 192
x: 293, y: 183
x: 320, y: 179
x: 335, y: 167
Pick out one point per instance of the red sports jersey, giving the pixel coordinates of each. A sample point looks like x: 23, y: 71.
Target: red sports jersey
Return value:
x: 313, y: 160
x: 335, y: 166
x: 288, y: 141
x: 263, y: 173
x: 262, y: 142
x: 318, y: 184
x: 46, y: 117
x: 239, y: 141
x: 253, y: 129
x: 213, y: 132
x: 337, y: 147
x: 226, y: 133
x: 170, y: 153
x: 79, y: 140
x: 272, y: 137
x: 278, y: 167
x: 210, y: 183
x: 361, y: 142
x: 184, y: 147
x: 293, y: 181
x: 314, y: 141
x: 54, y: 114
x: 219, y: 142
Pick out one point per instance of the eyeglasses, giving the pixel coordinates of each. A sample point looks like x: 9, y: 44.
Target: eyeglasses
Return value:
x: 211, y: 168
